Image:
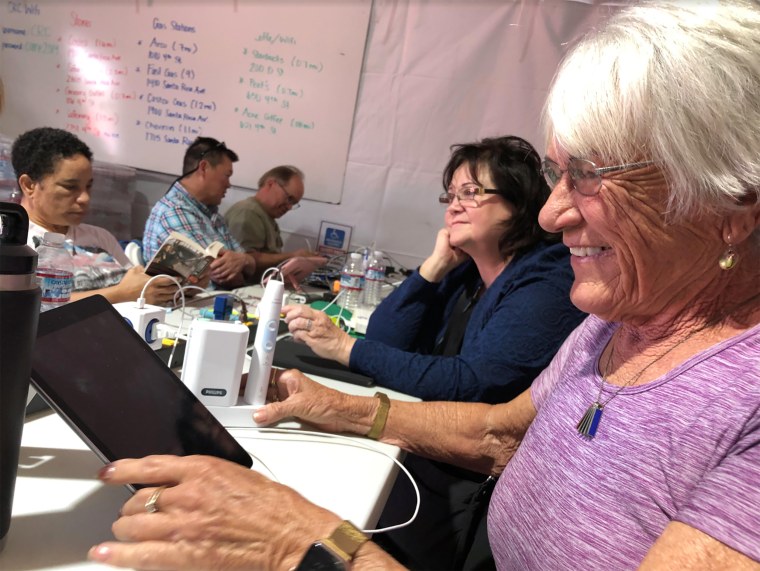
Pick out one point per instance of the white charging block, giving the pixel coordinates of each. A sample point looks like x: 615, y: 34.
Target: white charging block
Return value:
x: 143, y: 320
x: 360, y: 318
x: 214, y: 359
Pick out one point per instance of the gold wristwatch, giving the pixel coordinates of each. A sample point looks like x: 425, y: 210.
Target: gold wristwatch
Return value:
x: 336, y: 552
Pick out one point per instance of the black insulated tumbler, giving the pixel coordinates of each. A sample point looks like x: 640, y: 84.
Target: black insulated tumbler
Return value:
x: 19, y: 310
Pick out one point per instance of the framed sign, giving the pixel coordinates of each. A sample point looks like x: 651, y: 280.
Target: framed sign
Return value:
x: 334, y: 238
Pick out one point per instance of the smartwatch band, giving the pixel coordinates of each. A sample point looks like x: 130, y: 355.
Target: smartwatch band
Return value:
x: 335, y: 553
x: 346, y: 540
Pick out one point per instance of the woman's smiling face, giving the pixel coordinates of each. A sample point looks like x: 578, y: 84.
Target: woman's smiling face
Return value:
x: 629, y: 262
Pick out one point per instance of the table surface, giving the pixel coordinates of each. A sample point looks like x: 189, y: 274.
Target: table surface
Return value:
x: 61, y: 509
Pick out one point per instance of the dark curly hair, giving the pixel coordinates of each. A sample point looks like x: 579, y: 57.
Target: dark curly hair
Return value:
x: 37, y: 152
x: 515, y: 169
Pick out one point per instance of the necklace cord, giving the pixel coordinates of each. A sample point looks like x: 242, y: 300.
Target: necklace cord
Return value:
x: 589, y: 422
x: 638, y: 375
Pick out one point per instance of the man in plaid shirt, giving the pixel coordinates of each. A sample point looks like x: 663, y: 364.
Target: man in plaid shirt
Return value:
x: 191, y: 207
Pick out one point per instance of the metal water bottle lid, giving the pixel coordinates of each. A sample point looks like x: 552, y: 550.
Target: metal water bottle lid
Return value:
x: 18, y: 262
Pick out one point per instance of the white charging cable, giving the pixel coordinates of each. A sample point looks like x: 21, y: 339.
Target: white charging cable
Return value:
x: 340, y: 440
x: 340, y: 293
x: 267, y: 275
x: 141, y: 299
x: 187, y: 288
x: 213, y: 294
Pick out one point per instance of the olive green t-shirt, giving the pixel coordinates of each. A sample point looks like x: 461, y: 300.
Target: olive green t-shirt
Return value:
x: 254, y: 228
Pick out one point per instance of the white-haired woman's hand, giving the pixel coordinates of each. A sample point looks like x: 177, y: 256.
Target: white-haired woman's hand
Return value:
x: 211, y: 514
x: 293, y: 394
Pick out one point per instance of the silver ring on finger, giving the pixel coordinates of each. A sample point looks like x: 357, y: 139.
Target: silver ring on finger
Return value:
x: 308, y: 324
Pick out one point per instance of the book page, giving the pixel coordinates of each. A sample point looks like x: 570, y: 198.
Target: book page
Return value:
x: 214, y: 248
x: 181, y: 257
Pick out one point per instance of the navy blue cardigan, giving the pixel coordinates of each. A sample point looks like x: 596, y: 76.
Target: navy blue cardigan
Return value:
x: 514, y: 330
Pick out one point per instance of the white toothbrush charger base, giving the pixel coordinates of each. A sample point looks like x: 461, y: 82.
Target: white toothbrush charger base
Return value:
x: 241, y: 416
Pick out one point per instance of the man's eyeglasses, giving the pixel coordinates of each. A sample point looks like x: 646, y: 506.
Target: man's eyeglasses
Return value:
x: 292, y: 202
x: 467, y: 195
x: 217, y: 147
x: 585, y: 176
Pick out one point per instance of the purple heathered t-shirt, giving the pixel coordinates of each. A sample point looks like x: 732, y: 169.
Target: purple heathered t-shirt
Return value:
x: 684, y: 447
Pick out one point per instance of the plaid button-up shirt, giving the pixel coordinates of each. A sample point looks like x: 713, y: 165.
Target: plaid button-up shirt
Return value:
x: 179, y: 212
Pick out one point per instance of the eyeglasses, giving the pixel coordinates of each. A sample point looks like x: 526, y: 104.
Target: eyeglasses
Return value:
x: 292, y: 202
x: 467, y: 195
x: 215, y: 147
x: 212, y: 148
x: 585, y: 176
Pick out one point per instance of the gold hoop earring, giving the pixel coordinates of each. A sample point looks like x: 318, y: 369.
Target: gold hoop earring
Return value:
x: 729, y: 258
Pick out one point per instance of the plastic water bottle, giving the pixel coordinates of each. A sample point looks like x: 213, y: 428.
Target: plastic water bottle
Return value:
x: 352, y: 282
x: 366, y: 255
x: 55, y: 271
x: 374, y: 279
x: 8, y: 190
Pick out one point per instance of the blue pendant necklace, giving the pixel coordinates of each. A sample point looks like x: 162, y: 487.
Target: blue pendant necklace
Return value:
x: 589, y: 423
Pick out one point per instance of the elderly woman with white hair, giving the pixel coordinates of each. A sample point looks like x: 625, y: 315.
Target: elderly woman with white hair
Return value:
x: 639, y: 445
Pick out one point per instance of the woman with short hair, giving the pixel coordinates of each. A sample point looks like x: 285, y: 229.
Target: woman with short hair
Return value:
x: 54, y: 172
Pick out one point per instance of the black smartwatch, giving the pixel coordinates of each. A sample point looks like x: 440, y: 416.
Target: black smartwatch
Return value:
x: 336, y: 552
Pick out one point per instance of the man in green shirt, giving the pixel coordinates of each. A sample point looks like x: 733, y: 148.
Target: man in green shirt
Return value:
x: 253, y: 221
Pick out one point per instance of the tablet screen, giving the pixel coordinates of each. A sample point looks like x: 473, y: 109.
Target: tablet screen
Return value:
x: 108, y: 384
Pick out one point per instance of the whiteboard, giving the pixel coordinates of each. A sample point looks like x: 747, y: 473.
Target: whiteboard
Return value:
x: 139, y: 80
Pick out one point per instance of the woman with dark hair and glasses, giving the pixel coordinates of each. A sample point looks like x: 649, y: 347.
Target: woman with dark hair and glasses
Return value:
x: 480, y: 318
x: 489, y: 307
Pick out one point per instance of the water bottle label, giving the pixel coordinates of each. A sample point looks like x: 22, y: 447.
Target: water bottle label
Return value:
x: 375, y: 274
x: 351, y: 281
x: 56, y: 285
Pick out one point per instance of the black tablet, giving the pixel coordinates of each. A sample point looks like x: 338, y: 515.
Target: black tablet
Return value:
x: 111, y: 388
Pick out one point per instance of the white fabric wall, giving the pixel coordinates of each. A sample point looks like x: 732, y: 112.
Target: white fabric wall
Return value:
x: 436, y: 72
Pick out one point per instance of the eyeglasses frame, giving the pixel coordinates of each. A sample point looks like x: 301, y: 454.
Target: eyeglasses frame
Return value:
x: 446, y: 197
x: 598, y: 171
x: 291, y: 201
x: 219, y: 145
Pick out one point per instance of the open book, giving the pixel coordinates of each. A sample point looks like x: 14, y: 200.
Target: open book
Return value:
x: 181, y: 257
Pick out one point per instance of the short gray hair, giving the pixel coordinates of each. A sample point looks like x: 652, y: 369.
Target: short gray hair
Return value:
x: 281, y: 174
x: 678, y: 83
